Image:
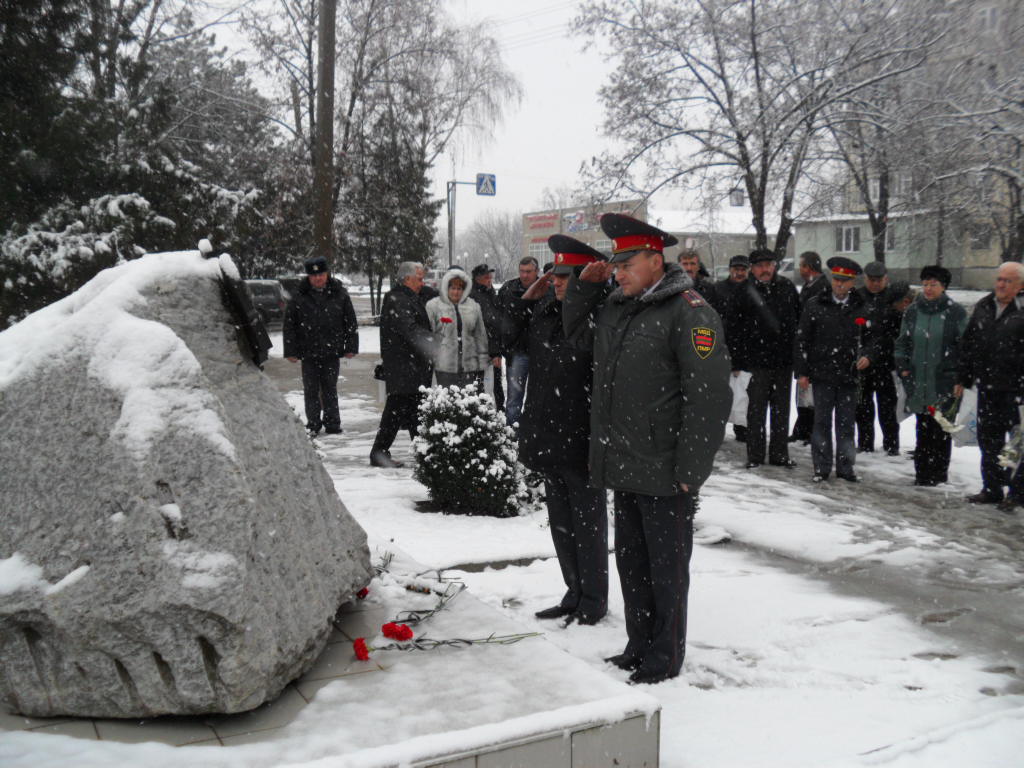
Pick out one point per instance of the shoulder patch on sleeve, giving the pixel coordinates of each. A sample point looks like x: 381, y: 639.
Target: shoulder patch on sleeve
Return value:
x: 693, y: 298
x: 703, y: 339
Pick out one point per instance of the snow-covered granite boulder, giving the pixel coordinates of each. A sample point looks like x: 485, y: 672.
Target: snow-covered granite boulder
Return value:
x: 169, y: 540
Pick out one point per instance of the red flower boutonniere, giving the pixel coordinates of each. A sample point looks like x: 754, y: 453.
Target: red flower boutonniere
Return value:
x: 446, y: 320
x: 399, y: 632
x: 362, y: 652
x: 861, y: 321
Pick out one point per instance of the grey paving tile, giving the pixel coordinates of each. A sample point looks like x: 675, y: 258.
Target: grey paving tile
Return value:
x: 12, y: 722
x: 253, y: 737
x: 274, y: 714
x: 362, y: 623
x: 337, y: 659
x: 214, y: 742
x: 78, y: 729
x: 336, y: 636
x: 166, y: 730
x: 309, y: 688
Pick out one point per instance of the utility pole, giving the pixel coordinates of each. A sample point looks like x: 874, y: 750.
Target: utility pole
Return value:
x: 323, y: 146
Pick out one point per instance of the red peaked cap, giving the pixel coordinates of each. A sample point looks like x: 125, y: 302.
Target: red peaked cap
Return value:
x: 570, y: 252
x: 629, y: 235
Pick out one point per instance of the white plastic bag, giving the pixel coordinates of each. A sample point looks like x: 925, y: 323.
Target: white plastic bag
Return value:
x: 901, y: 397
x: 805, y: 397
x: 967, y: 417
x: 739, y: 398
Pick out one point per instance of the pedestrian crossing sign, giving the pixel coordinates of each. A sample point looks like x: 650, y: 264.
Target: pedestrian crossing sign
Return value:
x: 486, y: 184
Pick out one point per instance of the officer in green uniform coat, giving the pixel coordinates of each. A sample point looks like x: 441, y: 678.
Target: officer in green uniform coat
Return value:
x: 660, y: 400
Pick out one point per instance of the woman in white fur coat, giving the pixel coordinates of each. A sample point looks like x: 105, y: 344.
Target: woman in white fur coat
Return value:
x: 458, y: 324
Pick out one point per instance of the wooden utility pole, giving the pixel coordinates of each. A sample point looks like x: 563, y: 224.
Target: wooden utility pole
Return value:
x: 323, y: 147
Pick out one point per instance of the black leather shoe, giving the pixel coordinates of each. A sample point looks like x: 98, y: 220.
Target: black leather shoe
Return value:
x: 850, y: 477
x: 984, y: 498
x: 1008, y: 505
x: 787, y: 463
x: 333, y: 430
x: 927, y: 482
x: 383, y: 459
x: 649, y: 677
x: 819, y: 478
x: 753, y: 464
x: 554, y: 612
x: 583, y: 618
x: 625, y: 661
x: 892, y: 452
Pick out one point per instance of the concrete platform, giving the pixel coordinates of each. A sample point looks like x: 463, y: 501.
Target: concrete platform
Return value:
x: 525, y: 704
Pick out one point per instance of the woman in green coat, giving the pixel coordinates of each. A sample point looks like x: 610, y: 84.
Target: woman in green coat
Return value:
x: 926, y: 357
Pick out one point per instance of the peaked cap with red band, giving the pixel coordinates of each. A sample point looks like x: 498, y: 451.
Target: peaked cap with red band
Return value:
x: 570, y: 253
x: 630, y: 235
x: 844, y: 268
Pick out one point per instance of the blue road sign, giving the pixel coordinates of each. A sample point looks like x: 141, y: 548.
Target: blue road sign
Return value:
x: 485, y: 184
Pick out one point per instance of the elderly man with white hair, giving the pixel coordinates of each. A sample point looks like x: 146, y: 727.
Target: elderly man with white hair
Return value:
x: 992, y: 356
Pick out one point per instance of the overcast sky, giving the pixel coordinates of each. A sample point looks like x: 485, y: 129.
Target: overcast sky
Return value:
x: 542, y: 142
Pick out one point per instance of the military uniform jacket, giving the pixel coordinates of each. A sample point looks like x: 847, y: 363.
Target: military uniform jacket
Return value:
x: 661, y: 384
x: 829, y: 340
x: 320, y: 323
x: 992, y: 350
x: 761, y: 324
x: 406, y: 343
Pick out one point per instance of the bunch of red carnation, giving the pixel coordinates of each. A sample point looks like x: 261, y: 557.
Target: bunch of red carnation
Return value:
x: 392, y: 630
x: 447, y: 320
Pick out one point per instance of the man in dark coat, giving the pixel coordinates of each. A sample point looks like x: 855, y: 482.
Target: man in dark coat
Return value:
x: 760, y: 323
x: 815, y: 284
x: 739, y: 271
x: 690, y: 261
x: 876, y: 382
x: 485, y: 295
x: 407, y: 348
x: 517, y: 362
x: 554, y: 434
x: 661, y: 398
x: 992, y: 356
x: 319, y: 329
x: 829, y: 354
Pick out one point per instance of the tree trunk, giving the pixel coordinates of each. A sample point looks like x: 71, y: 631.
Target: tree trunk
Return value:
x: 323, y: 150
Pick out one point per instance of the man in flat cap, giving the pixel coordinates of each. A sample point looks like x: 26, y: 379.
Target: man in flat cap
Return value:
x: 829, y: 354
x: 725, y: 290
x: 484, y: 294
x: 876, y: 381
x: 762, y: 319
x: 554, y: 433
x: 815, y: 284
x: 319, y: 329
x: 660, y: 401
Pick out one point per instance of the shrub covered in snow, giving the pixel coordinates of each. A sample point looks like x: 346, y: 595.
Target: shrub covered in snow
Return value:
x: 466, y: 454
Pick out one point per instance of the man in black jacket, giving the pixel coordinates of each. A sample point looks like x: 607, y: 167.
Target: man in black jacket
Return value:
x: 516, y: 350
x: 554, y: 434
x: 829, y: 354
x: 876, y: 382
x: 739, y: 271
x: 689, y: 260
x: 484, y: 294
x: 660, y: 400
x: 407, y: 347
x: 815, y: 284
x: 320, y: 328
x: 760, y: 324
x: 992, y: 356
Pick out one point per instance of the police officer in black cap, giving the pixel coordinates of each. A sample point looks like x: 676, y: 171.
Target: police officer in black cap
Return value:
x: 660, y: 401
x: 554, y: 433
x: 830, y: 352
x: 876, y: 381
x: 320, y: 328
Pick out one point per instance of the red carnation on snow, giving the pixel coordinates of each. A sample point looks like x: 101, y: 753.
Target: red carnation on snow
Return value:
x: 861, y: 321
x: 400, y: 632
x: 362, y: 593
x: 446, y: 320
x: 362, y: 652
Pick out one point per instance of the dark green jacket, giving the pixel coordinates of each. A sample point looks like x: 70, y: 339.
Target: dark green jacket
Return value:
x: 661, y: 391
x: 927, y: 347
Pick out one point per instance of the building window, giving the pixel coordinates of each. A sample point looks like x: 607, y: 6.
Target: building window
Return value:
x: 847, y: 239
x: 904, y: 186
x: 981, y: 237
x: 890, y: 237
x: 603, y: 245
x: 540, y: 252
x: 736, y: 199
x: 988, y: 19
x: 874, y: 190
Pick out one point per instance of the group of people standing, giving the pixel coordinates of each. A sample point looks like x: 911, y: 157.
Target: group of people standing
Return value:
x: 629, y: 359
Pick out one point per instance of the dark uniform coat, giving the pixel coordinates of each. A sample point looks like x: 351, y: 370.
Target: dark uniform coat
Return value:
x: 320, y: 324
x: 992, y: 350
x: 554, y: 429
x: 761, y: 322
x: 829, y: 340
x: 406, y: 343
x: 661, y: 384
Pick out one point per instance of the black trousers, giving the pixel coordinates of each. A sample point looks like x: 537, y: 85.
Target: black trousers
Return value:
x: 769, y: 390
x: 804, y: 425
x: 932, y: 451
x: 876, y: 383
x: 320, y: 388
x: 997, y: 416
x: 653, y: 544
x: 499, y: 389
x: 578, y: 516
x: 839, y: 403
x: 400, y: 412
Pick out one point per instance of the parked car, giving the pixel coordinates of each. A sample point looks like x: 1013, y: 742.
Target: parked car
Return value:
x: 787, y: 269
x: 269, y: 298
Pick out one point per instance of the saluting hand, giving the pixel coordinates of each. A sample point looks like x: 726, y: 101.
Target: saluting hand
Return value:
x: 863, y: 363
x: 597, y: 272
x: 539, y: 288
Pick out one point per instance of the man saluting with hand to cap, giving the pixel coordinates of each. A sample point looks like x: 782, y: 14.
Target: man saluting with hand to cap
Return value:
x: 660, y: 400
